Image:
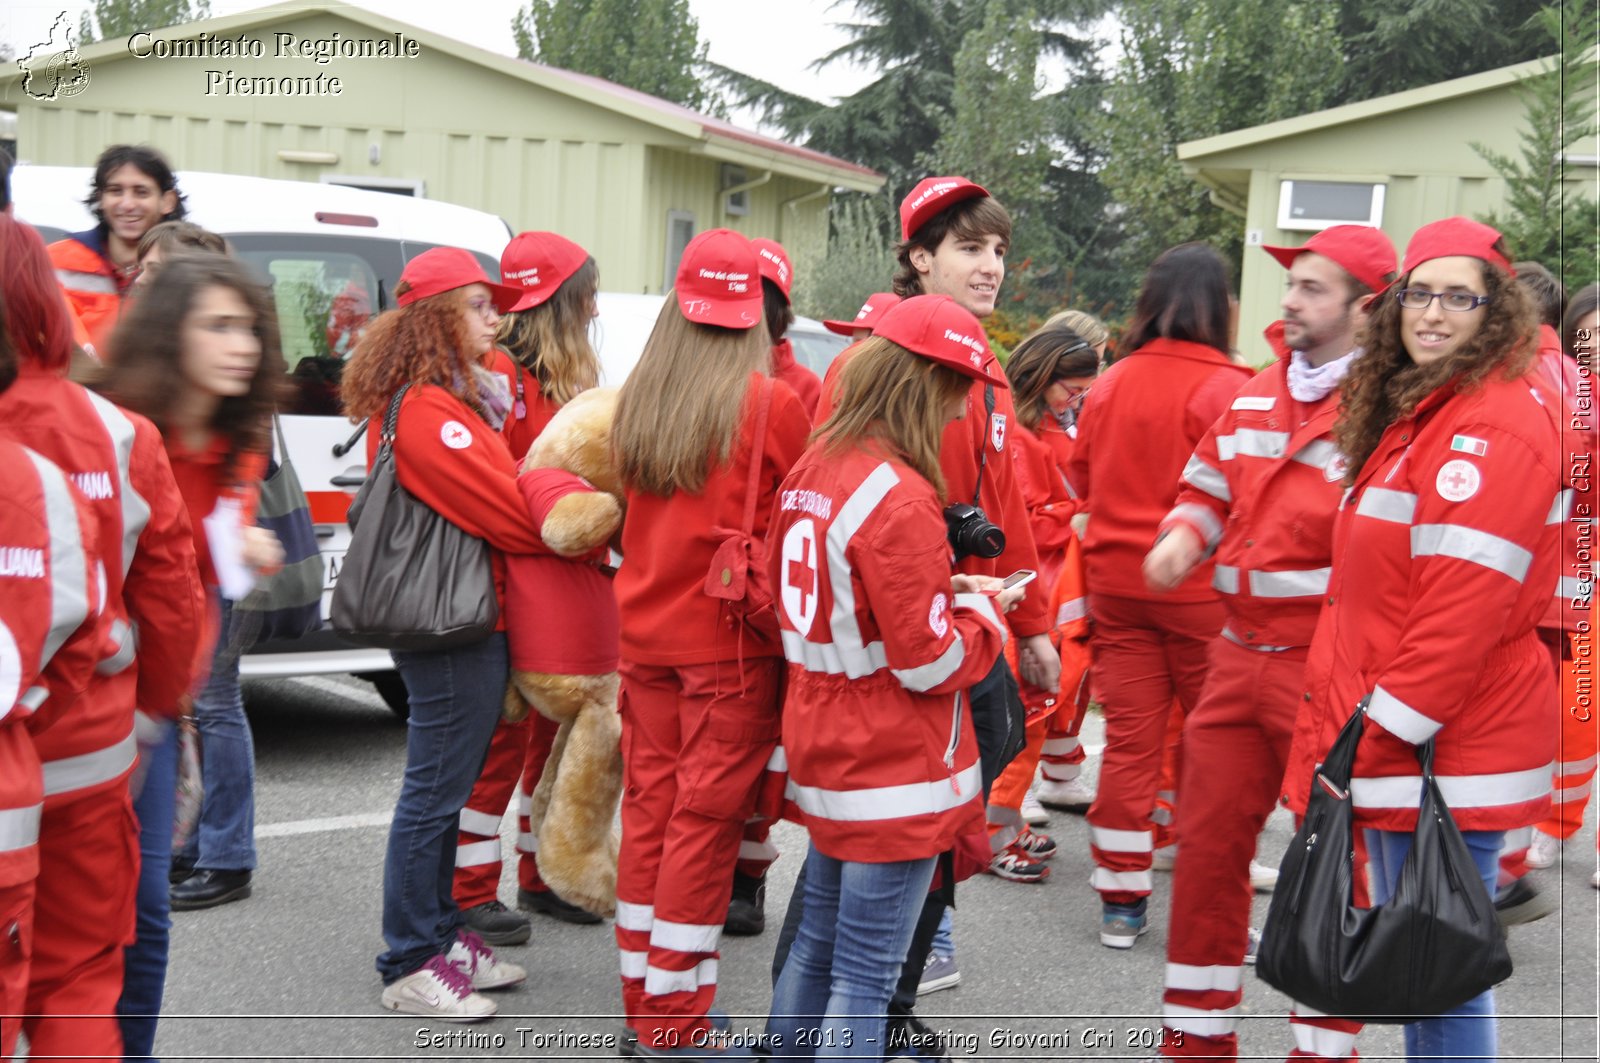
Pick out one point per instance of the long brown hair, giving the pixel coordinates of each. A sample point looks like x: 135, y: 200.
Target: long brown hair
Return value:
x: 1184, y: 297
x: 681, y: 406
x: 551, y: 340
x: 1384, y: 384
x: 424, y: 342
x: 889, y: 394
x: 146, y: 352
x: 1053, y: 353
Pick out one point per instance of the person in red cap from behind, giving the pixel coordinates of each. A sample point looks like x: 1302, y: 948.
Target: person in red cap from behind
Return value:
x: 703, y: 439
x: 1445, y: 551
x: 544, y: 356
x: 449, y: 454
x: 882, y: 637
x: 860, y: 327
x: 1260, y: 492
x: 777, y: 278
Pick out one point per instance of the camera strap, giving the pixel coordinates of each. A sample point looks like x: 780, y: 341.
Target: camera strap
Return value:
x: 983, y: 443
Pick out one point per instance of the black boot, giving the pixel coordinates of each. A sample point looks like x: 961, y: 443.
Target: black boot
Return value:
x: 747, y: 914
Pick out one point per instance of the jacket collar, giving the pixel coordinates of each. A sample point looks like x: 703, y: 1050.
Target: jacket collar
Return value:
x: 1195, y: 352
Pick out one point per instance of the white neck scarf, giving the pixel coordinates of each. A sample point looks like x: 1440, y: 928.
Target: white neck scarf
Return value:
x: 1309, y: 383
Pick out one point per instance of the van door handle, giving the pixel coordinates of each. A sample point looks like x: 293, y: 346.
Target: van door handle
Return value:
x: 345, y: 479
x: 325, y: 531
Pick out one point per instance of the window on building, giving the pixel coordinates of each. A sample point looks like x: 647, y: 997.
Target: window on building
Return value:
x: 680, y: 230
x: 1315, y: 205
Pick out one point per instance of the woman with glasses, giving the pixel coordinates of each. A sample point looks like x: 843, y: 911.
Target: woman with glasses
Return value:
x: 1444, y: 553
x: 449, y: 454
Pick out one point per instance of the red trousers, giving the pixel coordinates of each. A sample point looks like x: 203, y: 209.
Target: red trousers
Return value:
x: 1005, y: 796
x: 1235, y: 747
x: 1146, y: 653
x: 1575, y: 762
x: 517, y: 751
x: 82, y: 917
x: 696, y: 740
x: 16, y: 946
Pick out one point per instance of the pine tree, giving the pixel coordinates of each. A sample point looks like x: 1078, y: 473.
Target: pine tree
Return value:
x: 653, y: 46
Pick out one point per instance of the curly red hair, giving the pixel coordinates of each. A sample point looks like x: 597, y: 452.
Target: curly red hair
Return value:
x: 423, y: 343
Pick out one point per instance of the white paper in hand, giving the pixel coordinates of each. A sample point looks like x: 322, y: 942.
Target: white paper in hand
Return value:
x: 224, y: 536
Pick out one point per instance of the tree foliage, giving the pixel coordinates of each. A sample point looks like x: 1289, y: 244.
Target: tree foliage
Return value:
x: 109, y: 19
x: 857, y: 259
x: 1389, y: 47
x: 653, y: 46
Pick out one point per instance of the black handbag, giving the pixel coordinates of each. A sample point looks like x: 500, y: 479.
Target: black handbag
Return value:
x: 1435, y: 944
x: 411, y: 580
x: 287, y: 604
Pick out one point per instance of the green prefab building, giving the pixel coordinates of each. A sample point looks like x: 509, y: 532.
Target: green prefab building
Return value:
x: 1397, y: 162
x: 324, y: 91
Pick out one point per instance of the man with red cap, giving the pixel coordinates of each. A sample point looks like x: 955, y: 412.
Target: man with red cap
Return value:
x: 1261, y: 492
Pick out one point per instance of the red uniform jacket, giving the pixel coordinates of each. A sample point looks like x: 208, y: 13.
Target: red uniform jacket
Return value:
x: 51, y: 634
x: 451, y: 460
x: 1139, y: 425
x: 531, y: 410
x: 1444, y: 554
x: 1569, y: 608
x: 979, y: 433
x: 203, y: 482
x: 1051, y: 505
x: 882, y: 764
x: 1265, y: 483
x: 668, y: 543
x: 116, y: 460
x: 561, y: 615
x: 93, y: 286
x: 802, y: 381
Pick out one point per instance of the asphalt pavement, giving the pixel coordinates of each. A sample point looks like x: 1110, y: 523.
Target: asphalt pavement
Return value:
x: 288, y: 974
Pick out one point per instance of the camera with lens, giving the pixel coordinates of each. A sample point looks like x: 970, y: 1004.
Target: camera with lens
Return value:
x: 972, y: 534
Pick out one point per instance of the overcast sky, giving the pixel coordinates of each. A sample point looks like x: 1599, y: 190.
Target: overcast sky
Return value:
x: 777, y: 46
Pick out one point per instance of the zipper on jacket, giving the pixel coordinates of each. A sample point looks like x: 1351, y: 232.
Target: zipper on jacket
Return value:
x: 955, y: 739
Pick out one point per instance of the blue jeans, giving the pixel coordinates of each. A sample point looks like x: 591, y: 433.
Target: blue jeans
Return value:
x: 144, y: 963
x: 944, y: 939
x: 831, y: 999
x: 455, y: 700
x: 1467, y: 1031
x: 225, y: 837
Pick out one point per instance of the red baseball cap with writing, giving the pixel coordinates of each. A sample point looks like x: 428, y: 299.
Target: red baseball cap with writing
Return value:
x: 444, y: 269
x: 1455, y: 236
x: 719, y: 281
x: 1362, y: 251
x: 932, y: 195
x: 867, y: 316
x: 940, y: 329
x: 537, y: 263
x: 774, y: 263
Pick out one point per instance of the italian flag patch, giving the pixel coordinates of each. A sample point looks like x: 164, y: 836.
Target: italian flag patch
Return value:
x: 1469, y: 445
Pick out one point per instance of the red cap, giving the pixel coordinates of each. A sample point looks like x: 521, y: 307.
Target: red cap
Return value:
x: 932, y: 195
x: 1455, y: 236
x: 941, y: 330
x: 867, y: 316
x: 444, y: 269
x: 536, y: 264
x: 1360, y: 250
x: 774, y: 263
x: 719, y: 281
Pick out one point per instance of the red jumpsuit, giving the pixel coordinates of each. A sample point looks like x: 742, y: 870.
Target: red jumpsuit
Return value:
x: 1261, y: 492
x: 1139, y: 425
x: 699, y: 704
x: 1061, y: 756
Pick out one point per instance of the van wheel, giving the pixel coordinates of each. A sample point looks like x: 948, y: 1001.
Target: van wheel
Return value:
x: 392, y: 689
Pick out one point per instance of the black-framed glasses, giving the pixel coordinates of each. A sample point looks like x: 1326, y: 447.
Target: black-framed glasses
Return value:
x: 1459, y: 302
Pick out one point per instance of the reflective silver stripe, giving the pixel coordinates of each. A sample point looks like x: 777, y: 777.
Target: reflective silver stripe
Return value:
x: 1317, y: 453
x: 1204, y: 979
x: 1072, y: 492
x: 635, y: 916
x: 527, y: 842
x: 1120, y: 841
x: 1252, y: 443
x: 1225, y: 578
x: 766, y: 851
x: 634, y: 964
x: 92, y: 283
x: 476, y: 854
x: 1260, y: 647
x: 135, y: 510
x: 19, y: 828
x: 779, y: 761
x: 35, y: 697
x: 69, y: 566
x: 685, y: 937
x: 475, y: 822
x: 1399, y: 507
x: 89, y: 769
x: 1580, y: 792
x: 1470, y: 544
x: 870, y: 804
x: 1576, y: 767
x: 123, y: 636
x: 1120, y: 881
x: 831, y: 658
x: 1202, y: 518
x: 658, y: 981
x: 1460, y: 791
x: 1200, y: 1022
x: 11, y: 669
x: 1059, y: 747
x: 1560, y: 507
x: 524, y: 802
x: 1574, y: 588
x: 1319, y: 1040
x: 1072, y: 609
x: 983, y: 605
x: 1516, y: 840
x: 1207, y: 479
x: 1290, y: 583
x: 1401, y: 719
x: 842, y: 621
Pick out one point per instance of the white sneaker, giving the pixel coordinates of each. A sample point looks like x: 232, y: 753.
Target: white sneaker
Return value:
x: 1544, y: 850
x: 1263, y: 877
x: 1074, y: 795
x: 479, y: 963
x: 1594, y: 880
x: 1164, y: 858
x: 1033, y: 813
x: 439, y: 990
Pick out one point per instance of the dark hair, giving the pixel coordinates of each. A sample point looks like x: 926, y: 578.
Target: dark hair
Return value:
x: 6, y: 162
x: 8, y: 352
x: 179, y: 236
x: 1549, y: 296
x: 1584, y: 303
x: 971, y: 219
x: 146, y: 351
x: 147, y: 161
x: 780, y: 315
x: 1053, y: 353
x: 1184, y: 297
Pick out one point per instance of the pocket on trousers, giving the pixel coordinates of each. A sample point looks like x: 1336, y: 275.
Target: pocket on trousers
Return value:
x: 726, y: 760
